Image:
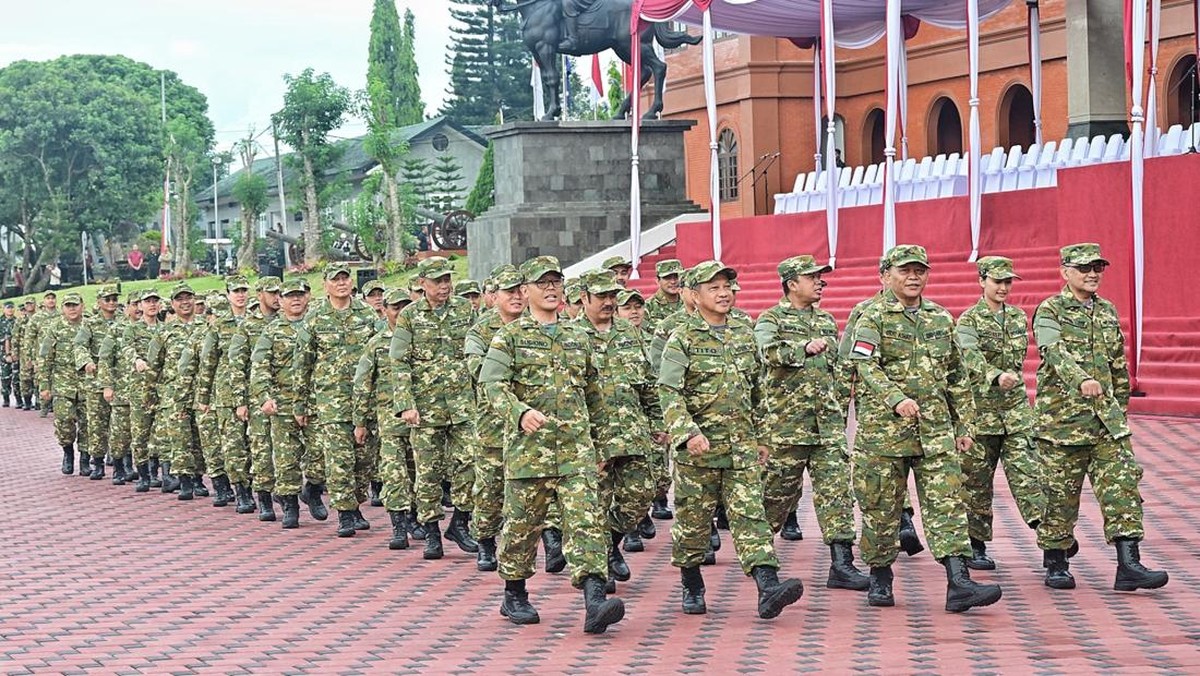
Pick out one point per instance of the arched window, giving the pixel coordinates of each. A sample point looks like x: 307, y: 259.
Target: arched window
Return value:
x: 727, y: 164
x: 945, y: 128
x: 874, y: 140
x: 839, y: 136
x: 1183, y: 93
x: 1016, y: 118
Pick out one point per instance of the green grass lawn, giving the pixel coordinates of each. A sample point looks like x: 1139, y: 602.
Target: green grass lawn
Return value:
x: 203, y: 285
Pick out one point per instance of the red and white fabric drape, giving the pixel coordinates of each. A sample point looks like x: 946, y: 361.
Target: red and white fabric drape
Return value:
x: 1152, y: 130
x: 817, y: 131
x: 1035, y: 67
x: 831, y: 168
x: 974, y: 178
x: 1135, y: 40
x: 895, y: 53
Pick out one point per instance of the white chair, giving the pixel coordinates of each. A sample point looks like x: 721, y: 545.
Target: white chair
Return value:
x: 875, y: 195
x: 1096, y: 150
x: 862, y: 195
x: 798, y: 185
x: 1114, y: 147
x: 1080, y: 153
x: 1027, y: 171
x: 1191, y: 139
x: 990, y: 168
x: 851, y: 196
x: 945, y: 181
x: 1171, y: 143
x: 816, y: 198
x: 780, y: 203
x: 1008, y: 175
x: 1064, y: 152
x: 1046, y: 170
x: 927, y: 184
x: 904, y: 180
x: 921, y: 178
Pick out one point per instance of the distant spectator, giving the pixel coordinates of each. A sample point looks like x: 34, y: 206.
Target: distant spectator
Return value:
x: 136, y: 259
x: 837, y: 158
x: 55, y: 274
x: 152, y: 262
x: 19, y: 278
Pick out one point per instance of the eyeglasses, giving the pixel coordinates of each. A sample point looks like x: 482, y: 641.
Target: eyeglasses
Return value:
x: 1091, y: 267
x: 547, y: 284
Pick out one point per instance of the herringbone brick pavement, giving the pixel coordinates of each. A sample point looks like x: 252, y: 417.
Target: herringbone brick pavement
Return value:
x: 98, y: 579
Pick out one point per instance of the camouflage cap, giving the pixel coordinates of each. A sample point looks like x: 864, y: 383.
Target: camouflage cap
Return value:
x: 615, y: 262
x: 108, y: 290
x: 434, y: 267
x: 269, y: 284
x: 9, y: 303
x: 147, y: 294
x: 535, y: 267
x: 626, y: 295
x: 903, y: 254
x: 252, y: 305
x: 396, y: 297
x: 467, y: 286
x: 573, y: 290
x: 790, y: 268
x: 181, y: 288
x: 599, y: 281
x: 29, y: 301
x: 72, y: 299
x: 414, y: 286
x: 237, y: 283
x: 1082, y: 254
x: 133, y: 297
x: 734, y: 286
x: 996, y: 267
x: 507, y: 277
x: 293, y: 285
x: 217, y: 301
x: 336, y: 268
x: 372, y: 286
x: 489, y: 285
x: 671, y: 266
x: 704, y: 272
x: 49, y: 294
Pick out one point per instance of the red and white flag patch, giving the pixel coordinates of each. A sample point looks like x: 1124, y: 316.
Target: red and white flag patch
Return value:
x: 863, y: 348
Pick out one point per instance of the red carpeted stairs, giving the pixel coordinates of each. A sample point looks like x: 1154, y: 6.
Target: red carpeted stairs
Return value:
x: 1169, y: 373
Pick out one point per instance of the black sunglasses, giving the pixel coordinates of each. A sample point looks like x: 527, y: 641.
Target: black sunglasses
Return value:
x: 1091, y: 267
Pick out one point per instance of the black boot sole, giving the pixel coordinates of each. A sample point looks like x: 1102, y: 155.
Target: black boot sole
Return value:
x: 977, y: 564
x: 1134, y: 585
x: 463, y: 544
x: 881, y: 603
x: 839, y: 581
x: 610, y: 612
x: 1060, y: 583
x: 487, y: 566
x: 786, y: 595
x: 633, y: 546
x: 979, y: 600
x: 398, y: 544
x: 519, y: 620
x: 911, y: 544
x: 433, y: 555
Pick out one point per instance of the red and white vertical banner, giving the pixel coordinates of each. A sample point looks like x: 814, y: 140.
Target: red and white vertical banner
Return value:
x: 1135, y: 40
x: 902, y: 97
x: 974, y: 178
x: 895, y: 48
x: 817, y: 131
x: 596, y: 85
x: 831, y: 168
x: 1152, y: 85
x: 710, y: 105
x: 1035, y: 67
x: 539, y: 92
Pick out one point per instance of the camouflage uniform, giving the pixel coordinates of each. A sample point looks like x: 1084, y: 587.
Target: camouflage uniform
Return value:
x: 116, y: 373
x: 660, y: 305
x: 14, y: 344
x: 175, y: 434
x: 374, y: 409
x: 902, y: 355
x: 488, y: 492
x: 258, y: 426
x: 805, y: 420
x: 58, y: 374
x: 31, y: 339
x: 7, y: 386
x: 92, y: 333
x: 143, y: 398
x: 547, y: 368
x: 995, y: 343
x: 215, y: 388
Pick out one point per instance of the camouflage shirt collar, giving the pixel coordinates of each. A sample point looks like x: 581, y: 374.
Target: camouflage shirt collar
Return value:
x: 662, y: 297
x: 892, y: 304
x: 1070, y: 298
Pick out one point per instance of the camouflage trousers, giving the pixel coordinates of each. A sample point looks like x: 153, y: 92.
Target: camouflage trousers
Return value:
x: 1022, y: 469
x: 258, y: 438
x: 69, y: 424
x: 118, y: 430
x: 98, y: 410
x: 1115, y: 475
x: 344, y: 462
x: 660, y: 470
x: 374, y: 454
x: 235, y: 451
x: 443, y: 453
x: 395, y: 453
x: 25, y: 379
x: 7, y: 378
x: 178, y: 440
x: 291, y: 458
x: 488, y: 492
x: 880, y: 484
x: 833, y: 499
x: 697, y: 491
x: 585, y: 543
x: 210, y: 441
x: 626, y: 490
x: 141, y: 424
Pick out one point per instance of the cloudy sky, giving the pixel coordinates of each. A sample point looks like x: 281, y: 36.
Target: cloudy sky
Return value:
x: 235, y: 51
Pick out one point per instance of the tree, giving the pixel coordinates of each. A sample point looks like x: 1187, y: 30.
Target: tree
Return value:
x: 483, y: 195
x: 489, y: 66
x: 313, y: 106
x: 447, y: 184
x: 411, y: 109
x: 418, y: 177
x: 616, y: 88
x: 250, y: 190
x: 83, y: 145
x: 391, y: 61
x: 384, y: 145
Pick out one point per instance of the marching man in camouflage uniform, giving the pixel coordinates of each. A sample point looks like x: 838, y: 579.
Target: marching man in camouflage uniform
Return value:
x: 915, y: 410
x: 92, y: 332
x: 114, y: 377
x: 7, y: 385
x: 535, y: 375
x: 805, y: 418
x: 256, y: 451
x: 175, y: 432
x: 135, y: 347
x: 434, y: 397
x: 1082, y: 430
x: 711, y: 402
x: 32, y: 337
x: 626, y: 418
x: 59, y: 378
x: 994, y: 336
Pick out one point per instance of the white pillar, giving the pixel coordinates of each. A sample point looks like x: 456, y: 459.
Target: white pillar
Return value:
x: 1035, y: 67
x: 1137, y: 29
x: 895, y: 36
x: 973, y: 175
x: 710, y: 102
x: 831, y: 184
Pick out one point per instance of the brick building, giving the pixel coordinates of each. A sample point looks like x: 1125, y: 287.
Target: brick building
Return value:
x: 764, y: 94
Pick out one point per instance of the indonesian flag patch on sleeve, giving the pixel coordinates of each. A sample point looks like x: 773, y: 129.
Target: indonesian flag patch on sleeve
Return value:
x: 863, y: 348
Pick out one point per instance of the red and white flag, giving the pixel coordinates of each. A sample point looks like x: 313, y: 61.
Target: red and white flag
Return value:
x: 863, y: 348
x: 596, y: 90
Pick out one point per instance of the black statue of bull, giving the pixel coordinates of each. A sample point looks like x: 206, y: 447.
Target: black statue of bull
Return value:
x: 597, y: 25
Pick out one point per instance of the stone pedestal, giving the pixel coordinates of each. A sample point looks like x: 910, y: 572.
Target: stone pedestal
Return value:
x: 1096, y: 96
x: 562, y: 189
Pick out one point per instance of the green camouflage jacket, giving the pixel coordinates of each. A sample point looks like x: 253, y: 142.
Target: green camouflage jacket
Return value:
x: 375, y: 385
x: 901, y: 355
x: 273, y: 372
x: 531, y: 366
x: 56, y: 367
x: 430, y: 366
x: 710, y: 384
x: 31, y: 334
x: 331, y: 342
x: 805, y: 395
x: 625, y: 407
x: 241, y: 344
x: 658, y: 308
x: 216, y: 375
x: 1078, y: 342
x: 662, y: 331
x: 112, y: 368
x: 135, y: 345
x: 14, y: 343
x: 993, y: 344
x: 172, y: 357
x: 492, y: 428
x: 93, y: 331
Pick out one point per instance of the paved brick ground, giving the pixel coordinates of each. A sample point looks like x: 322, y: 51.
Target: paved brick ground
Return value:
x: 100, y: 579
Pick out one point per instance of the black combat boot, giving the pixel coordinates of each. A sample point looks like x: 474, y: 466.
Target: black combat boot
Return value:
x: 1058, y: 570
x: 1131, y: 574
x: 143, y: 481
x: 552, y: 542
x: 186, y: 487
x: 266, y: 511
x: 433, y: 541
x: 85, y: 463
x: 516, y: 606
x: 693, y: 591
x: 399, y: 530
x: 979, y: 558
x: 880, y: 592
x: 6, y: 404
x: 373, y: 493
x: 198, y: 487
x: 131, y: 471
x: 291, y: 511
x: 360, y: 521
x: 485, y: 560
x: 842, y: 572
x: 721, y: 517
x: 909, y: 542
x: 646, y: 529
x: 659, y: 510
x: 791, y: 528
x: 155, y: 480
x: 447, y: 502
x: 244, y: 499
x: 773, y: 595
x: 617, y: 568
x: 68, y: 463
x: 1071, y: 552
x: 310, y: 495
x: 601, y: 610
x: 170, y: 483
x: 714, y: 539
x: 220, y: 486
x: 345, y: 527
x: 710, y: 558
x: 962, y: 593
x: 458, y: 533
x: 416, y: 528
x: 97, y: 472
x: 118, y: 474
x: 633, y: 542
